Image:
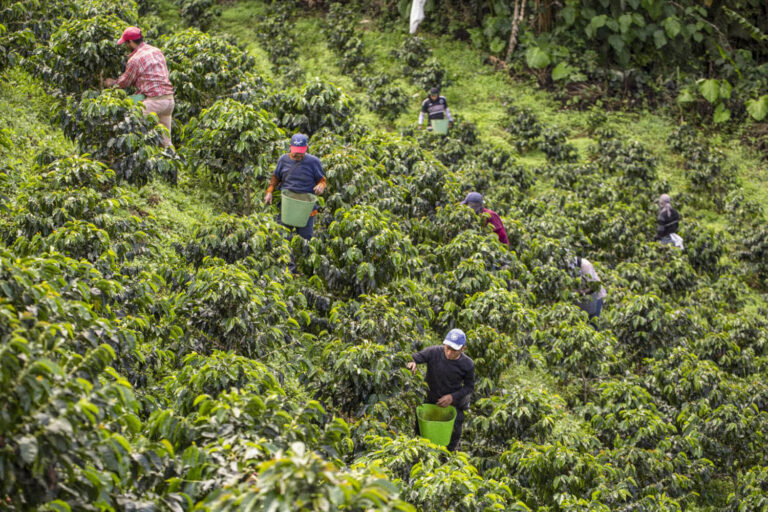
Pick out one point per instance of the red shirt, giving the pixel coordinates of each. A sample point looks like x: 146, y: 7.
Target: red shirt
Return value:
x: 498, y: 227
x: 146, y: 70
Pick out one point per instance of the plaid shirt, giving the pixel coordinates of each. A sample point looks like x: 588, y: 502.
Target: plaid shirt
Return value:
x: 146, y: 70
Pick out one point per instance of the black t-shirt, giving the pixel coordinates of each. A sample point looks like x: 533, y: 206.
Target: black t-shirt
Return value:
x: 446, y: 376
x: 435, y: 109
x: 667, y: 223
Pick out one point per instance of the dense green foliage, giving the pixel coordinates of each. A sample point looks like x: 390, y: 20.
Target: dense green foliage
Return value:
x: 171, y: 361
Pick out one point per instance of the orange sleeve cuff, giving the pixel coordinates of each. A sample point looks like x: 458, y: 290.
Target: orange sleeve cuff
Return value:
x: 272, y: 184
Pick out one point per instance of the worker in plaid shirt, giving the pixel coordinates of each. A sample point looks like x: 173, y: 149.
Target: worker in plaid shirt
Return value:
x: 147, y: 73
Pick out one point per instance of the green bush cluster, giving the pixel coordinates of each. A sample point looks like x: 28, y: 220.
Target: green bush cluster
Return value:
x: 152, y: 366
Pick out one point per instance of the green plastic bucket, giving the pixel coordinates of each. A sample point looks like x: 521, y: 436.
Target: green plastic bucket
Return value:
x: 295, y: 208
x: 440, y: 126
x: 436, y: 423
x: 137, y: 97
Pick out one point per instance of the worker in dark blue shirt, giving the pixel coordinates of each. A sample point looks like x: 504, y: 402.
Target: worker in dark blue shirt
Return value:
x: 450, y: 378
x: 300, y: 173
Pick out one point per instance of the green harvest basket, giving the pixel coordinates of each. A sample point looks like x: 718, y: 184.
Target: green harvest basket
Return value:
x: 137, y: 97
x: 440, y: 126
x: 295, y: 208
x: 436, y: 423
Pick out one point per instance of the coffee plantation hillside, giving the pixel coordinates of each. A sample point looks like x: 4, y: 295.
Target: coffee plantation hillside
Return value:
x: 156, y: 352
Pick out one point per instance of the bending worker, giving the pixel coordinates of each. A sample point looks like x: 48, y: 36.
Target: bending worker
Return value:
x: 436, y: 107
x: 298, y: 173
x: 592, y: 301
x: 147, y: 72
x: 450, y: 378
x: 475, y: 201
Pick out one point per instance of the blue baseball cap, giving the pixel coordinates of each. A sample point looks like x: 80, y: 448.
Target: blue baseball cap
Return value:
x: 299, y: 143
x: 473, y: 197
x: 456, y: 339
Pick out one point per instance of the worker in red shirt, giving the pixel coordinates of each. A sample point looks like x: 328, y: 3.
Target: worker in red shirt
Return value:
x: 147, y: 72
x: 475, y: 201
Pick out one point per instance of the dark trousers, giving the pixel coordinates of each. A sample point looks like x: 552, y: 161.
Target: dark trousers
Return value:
x: 593, y: 309
x: 458, y: 425
x: 307, y: 231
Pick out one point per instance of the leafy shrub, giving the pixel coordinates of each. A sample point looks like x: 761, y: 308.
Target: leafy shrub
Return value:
x: 749, y: 493
x: 114, y: 131
x: 203, y: 68
x: 233, y: 144
x: 81, y: 51
x: 276, y: 38
x: 425, y: 472
x: 387, y: 100
x: 627, y: 411
x: 640, y: 323
x: 709, y: 174
x: 390, y: 320
x: 517, y: 412
x: 200, y: 13
x: 554, y: 145
x: 754, y: 253
x: 497, y: 308
x: 497, y: 158
x: 217, y: 373
x: 363, y: 250
x: 465, y: 131
x: 44, y: 461
x: 550, y: 470
x: 430, y: 74
x: 524, y: 127
x: 62, y: 192
x: 251, y: 90
x: 573, y: 348
x: 703, y: 247
x: 358, y: 376
x: 632, y: 163
x: 257, y: 239
x: 413, y: 52
x: 224, y: 309
x: 341, y: 29
x: 353, y: 179
x: 300, y: 480
x: 314, y: 106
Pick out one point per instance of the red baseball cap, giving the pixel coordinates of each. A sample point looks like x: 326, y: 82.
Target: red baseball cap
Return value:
x: 130, y: 34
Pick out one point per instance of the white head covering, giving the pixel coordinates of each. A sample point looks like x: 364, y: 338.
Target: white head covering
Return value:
x: 665, y: 204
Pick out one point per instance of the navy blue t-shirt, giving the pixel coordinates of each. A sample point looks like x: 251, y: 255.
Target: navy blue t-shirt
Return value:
x: 303, y: 178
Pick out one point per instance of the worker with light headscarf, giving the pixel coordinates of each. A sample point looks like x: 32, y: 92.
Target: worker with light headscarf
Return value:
x: 667, y: 223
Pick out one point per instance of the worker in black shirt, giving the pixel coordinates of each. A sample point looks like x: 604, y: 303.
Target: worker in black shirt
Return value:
x: 667, y: 223
x: 435, y: 107
x: 450, y: 378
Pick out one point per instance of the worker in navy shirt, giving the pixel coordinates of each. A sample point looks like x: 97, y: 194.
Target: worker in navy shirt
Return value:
x: 299, y: 172
x: 450, y: 378
x: 435, y: 107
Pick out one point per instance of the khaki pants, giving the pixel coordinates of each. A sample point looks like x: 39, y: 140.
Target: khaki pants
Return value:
x: 163, y: 107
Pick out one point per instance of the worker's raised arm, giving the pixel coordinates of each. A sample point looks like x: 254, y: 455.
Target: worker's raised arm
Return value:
x: 420, y: 358
x: 467, y: 389
x: 128, y: 78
